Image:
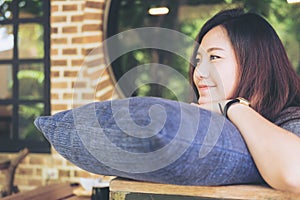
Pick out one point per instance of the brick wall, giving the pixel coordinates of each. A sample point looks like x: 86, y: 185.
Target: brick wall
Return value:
x: 78, y: 76
x: 77, y: 61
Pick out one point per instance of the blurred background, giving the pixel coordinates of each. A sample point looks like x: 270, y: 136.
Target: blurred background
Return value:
x: 48, y: 59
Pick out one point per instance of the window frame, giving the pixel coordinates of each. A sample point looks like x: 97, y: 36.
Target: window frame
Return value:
x: 14, y: 144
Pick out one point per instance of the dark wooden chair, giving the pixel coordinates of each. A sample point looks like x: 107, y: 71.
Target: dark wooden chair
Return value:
x: 9, y: 166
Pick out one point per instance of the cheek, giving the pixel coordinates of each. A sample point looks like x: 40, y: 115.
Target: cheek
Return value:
x: 230, y: 85
x: 227, y: 80
x: 195, y: 76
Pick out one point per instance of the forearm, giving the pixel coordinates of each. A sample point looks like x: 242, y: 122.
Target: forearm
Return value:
x: 275, y: 151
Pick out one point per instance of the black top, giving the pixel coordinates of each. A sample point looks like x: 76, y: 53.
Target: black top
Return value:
x: 289, y: 119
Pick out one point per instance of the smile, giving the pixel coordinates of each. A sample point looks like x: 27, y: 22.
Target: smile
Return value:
x: 205, y: 87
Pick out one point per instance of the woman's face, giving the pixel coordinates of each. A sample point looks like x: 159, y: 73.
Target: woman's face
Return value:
x: 216, y: 72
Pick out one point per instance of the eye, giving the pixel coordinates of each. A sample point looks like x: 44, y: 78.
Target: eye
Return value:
x: 197, y: 61
x: 214, y: 57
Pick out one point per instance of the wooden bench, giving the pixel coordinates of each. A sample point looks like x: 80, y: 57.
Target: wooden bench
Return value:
x: 49, y: 192
x: 121, y: 189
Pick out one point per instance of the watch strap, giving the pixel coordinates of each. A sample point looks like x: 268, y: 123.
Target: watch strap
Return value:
x: 233, y: 101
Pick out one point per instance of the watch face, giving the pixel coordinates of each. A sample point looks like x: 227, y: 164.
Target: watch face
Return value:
x: 243, y: 101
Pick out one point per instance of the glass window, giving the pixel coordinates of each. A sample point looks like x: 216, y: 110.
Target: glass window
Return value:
x: 6, y: 81
x: 187, y: 17
x: 27, y: 114
x: 25, y: 73
x: 6, y: 122
x: 6, y: 10
x: 31, y: 44
x: 6, y: 41
x: 30, y: 8
x: 31, y: 81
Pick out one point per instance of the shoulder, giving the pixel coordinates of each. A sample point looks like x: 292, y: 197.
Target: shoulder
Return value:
x: 289, y: 119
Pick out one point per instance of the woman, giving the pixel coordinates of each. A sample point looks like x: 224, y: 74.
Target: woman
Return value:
x: 245, y: 58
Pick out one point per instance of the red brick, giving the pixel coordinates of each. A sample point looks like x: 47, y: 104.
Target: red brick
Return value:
x: 77, y: 40
x: 36, y: 182
x: 54, y: 52
x: 64, y: 173
x: 77, y: 62
x: 54, y: 8
x: 106, y: 96
x: 59, y: 85
x: 73, y: 7
x: 59, y: 107
x: 55, y: 19
x: 80, y: 173
x: 36, y: 161
x: 39, y: 172
x: 70, y: 73
x: 54, y: 30
x: 70, y: 51
x: 93, y: 4
x: 54, y: 73
x: 91, y: 27
x: 59, y: 62
x: 54, y: 96
x: 77, y: 18
x: 25, y: 171
x: 79, y: 84
x: 69, y: 95
x: 93, y: 39
x: 19, y: 180
x: 70, y: 29
x: 59, y: 40
x: 103, y: 84
x: 95, y: 16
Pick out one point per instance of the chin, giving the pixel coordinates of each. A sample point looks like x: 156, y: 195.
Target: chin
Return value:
x: 205, y: 100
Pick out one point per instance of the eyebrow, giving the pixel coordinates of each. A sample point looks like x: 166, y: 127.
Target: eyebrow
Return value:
x: 212, y: 49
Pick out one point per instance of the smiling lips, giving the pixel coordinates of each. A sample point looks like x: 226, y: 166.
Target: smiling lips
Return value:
x: 205, y: 87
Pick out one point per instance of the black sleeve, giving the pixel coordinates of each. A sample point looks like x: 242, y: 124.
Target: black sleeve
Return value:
x: 289, y: 119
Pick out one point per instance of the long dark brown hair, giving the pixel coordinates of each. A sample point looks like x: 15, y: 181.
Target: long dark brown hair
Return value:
x: 265, y: 74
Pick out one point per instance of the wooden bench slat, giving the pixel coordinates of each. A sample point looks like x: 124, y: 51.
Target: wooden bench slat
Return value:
x: 48, y: 192
x: 58, y: 193
x: 79, y: 198
x: 226, y: 192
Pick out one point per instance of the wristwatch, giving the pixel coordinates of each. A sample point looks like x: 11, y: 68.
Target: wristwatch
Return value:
x: 234, y: 101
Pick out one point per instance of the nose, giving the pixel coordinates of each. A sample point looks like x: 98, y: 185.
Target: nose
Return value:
x: 202, y: 70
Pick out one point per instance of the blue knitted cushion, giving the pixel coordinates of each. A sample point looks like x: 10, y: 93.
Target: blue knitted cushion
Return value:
x: 151, y: 139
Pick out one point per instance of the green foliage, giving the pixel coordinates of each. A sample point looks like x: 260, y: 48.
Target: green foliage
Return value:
x: 33, y: 7
x: 27, y: 114
x: 31, y: 84
x: 32, y: 74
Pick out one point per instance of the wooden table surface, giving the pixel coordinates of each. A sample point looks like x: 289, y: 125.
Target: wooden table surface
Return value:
x: 130, y: 190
